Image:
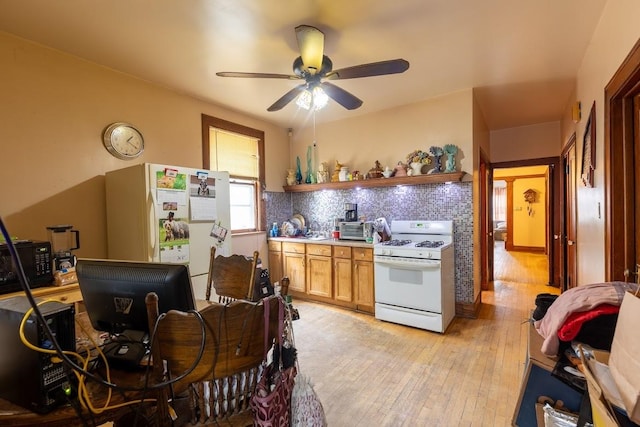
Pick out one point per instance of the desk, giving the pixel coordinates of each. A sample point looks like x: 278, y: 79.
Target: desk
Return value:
x: 68, y: 294
x: 65, y: 415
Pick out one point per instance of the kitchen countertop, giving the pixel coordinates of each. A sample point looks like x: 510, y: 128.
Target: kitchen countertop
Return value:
x: 332, y: 242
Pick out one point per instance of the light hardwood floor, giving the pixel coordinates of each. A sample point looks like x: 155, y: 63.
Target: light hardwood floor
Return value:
x: 373, y: 373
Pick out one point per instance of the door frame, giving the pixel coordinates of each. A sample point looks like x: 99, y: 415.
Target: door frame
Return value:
x: 553, y: 210
x: 568, y: 268
x: 486, y: 227
x: 619, y: 156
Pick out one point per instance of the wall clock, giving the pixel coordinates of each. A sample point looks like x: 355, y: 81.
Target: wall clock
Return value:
x: 123, y: 140
x: 589, y: 149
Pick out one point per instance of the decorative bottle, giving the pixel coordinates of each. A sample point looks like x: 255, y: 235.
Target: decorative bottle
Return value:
x: 274, y: 230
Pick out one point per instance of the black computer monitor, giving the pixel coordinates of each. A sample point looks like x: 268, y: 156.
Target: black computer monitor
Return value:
x: 114, y: 292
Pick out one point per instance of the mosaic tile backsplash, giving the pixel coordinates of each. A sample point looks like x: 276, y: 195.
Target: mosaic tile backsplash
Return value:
x: 450, y: 201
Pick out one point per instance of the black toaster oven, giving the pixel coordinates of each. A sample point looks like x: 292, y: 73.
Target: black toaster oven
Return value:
x: 36, y: 260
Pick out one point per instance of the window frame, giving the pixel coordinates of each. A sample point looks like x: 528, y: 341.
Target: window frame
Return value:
x: 215, y: 122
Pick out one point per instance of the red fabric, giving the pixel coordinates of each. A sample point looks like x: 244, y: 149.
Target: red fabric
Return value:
x: 571, y: 327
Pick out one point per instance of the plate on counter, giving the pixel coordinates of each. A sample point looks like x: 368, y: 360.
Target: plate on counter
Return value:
x: 288, y: 229
x: 299, y: 221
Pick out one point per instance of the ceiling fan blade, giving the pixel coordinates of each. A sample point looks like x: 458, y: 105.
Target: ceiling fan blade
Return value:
x: 311, y: 46
x: 341, y: 96
x: 393, y: 66
x: 257, y: 75
x: 286, y: 98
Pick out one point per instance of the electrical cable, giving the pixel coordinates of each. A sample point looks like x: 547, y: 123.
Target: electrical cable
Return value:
x: 82, y: 371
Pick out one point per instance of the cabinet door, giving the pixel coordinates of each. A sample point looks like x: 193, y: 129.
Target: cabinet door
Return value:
x: 342, y: 279
x: 363, y: 284
x: 275, y: 266
x: 294, y: 268
x: 319, y: 275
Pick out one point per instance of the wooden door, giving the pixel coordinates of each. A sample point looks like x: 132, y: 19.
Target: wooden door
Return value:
x: 567, y: 235
x: 486, y: 222
x: 319, y: 275
x: 342, y: 275
x: 363, y: 279
x: 293, y: 264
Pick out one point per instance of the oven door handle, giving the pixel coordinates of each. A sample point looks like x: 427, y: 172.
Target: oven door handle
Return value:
x: 411, y: 265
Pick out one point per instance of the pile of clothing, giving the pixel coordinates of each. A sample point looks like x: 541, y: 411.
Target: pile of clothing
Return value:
x: 585, y: 313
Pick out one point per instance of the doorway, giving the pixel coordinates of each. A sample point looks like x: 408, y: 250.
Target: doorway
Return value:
x: 622, y: 174
x: 518, y: 205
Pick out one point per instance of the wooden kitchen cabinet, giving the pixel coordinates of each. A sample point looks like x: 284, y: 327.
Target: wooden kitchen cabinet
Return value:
x: 293, y: 263
x: 335, y: 273
x: 275, y: 261
x: 342, y: 274
x: 319, y: 270
x: 363, y: 279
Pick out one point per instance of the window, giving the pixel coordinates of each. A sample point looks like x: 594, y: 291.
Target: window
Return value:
x: 228, y: 146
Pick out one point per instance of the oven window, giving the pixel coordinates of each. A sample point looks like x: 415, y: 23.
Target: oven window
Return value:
x: 408, y: 277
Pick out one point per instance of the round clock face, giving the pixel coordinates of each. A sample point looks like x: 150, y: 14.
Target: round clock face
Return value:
x: 123, y: 141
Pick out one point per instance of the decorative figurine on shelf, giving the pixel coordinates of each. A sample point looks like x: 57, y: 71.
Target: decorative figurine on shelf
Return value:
x: 417, y: 159
x: 335, y: 176
x: 400, y: 169
x: 298, y: 171
x: 344, y: 174
x: 323, y: 173
x: 437, y: 154
x: 375, y: 171
x: 291, y: 177
x: 451, y: 151
x: 311, y: 177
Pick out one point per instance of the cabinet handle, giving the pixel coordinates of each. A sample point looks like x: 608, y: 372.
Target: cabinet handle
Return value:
x: 64, y: 298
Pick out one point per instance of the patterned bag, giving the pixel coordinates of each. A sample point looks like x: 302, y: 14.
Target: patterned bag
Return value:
x: 306, y: 408
x: 271, y: 403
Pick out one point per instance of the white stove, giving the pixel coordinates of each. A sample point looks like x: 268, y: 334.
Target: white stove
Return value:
x: 414, y: 275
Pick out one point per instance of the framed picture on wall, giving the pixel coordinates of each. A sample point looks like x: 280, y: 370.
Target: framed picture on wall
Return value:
x: 589, y: 148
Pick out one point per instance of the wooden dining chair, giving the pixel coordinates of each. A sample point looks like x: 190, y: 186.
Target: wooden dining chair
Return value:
x: 232, y: 277
x: 218, y: 390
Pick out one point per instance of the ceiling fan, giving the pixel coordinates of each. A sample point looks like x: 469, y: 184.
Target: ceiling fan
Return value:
x: 314, y: 67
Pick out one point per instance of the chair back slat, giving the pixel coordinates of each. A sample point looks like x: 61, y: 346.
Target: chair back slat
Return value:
x: 226, y: 375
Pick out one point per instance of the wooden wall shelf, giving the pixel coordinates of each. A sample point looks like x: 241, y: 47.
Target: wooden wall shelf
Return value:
x: 378, y: 182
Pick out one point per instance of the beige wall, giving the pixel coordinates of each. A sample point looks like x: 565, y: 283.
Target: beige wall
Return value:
x: 613, y: 39
x: 529, y: 226
x: 388, y: 136
x: 53, y: 110
x: 526, y: 142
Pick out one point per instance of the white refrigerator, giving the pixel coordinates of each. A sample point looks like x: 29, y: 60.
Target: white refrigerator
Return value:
x: 172, y: 214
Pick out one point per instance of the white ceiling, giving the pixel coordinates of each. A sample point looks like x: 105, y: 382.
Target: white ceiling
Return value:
x: 521, y: 57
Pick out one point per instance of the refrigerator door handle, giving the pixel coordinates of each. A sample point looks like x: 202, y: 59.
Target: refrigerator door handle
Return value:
x: 153, y: 225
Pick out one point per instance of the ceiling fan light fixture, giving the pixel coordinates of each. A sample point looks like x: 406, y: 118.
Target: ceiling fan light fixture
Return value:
x: 320, y: 99
x: 314, y: 98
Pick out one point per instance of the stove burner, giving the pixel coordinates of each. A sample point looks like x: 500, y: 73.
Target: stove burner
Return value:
x: 430, y: 244
x: 396, y: 242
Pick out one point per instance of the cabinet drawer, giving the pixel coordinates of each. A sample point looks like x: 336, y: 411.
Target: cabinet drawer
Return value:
x: 296, y: 248
x: 322, y: 250
x: 364, y: 254
x: 275, y: 246
x: 67, y: 297
x: 341, y: 252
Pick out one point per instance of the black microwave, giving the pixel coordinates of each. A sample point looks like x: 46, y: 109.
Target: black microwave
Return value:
x: 36, y: 262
